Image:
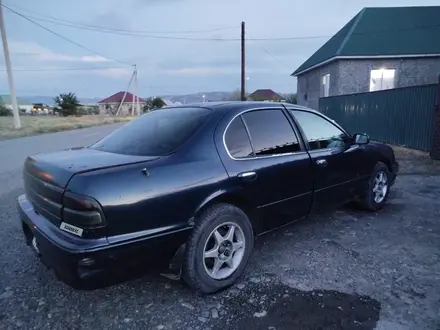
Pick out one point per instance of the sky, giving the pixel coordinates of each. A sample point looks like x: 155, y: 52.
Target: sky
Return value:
x: 176, y: 45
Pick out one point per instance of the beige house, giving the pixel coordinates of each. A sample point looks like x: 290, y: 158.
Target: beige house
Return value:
x: 111, y: 104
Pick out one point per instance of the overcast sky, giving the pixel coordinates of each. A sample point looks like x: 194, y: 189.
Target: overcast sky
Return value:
x: 170, y: 66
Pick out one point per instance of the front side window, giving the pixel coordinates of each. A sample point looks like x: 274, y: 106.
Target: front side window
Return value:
x: 320, y: 133
x: 237, y: 140
x: 382, y: 79
x: 156, y: 133
x: 271, y: 132
x: 325, y: 85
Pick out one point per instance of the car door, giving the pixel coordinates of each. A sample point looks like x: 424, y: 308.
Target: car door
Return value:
x: 338, y: 163
x: 267, y: 162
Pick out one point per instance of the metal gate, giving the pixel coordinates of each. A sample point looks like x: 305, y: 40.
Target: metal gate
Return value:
x: 401, y: 116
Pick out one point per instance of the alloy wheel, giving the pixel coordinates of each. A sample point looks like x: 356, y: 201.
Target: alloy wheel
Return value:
x: 380, y: 187
x: 224, y: 250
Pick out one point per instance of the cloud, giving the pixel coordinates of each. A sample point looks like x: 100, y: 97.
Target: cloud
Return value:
x: 176, y: 66
x: 201, y: 71
x: 143, y: 3
x: 112, y: 19
x: 113, y: 72
x: 32, y: 61
x: 40, y: 53
x: 96, y: 58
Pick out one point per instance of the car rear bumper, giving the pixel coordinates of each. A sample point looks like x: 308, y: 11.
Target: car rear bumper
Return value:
x: 76, y: 259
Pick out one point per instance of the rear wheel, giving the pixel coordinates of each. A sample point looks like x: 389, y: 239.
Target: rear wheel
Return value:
x: 377, y: 189
x: 218, y: 249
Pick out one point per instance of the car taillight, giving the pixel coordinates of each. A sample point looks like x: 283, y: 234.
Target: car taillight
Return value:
x: 82, y: 211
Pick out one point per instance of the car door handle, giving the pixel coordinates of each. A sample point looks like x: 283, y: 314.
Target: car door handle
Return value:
x: 247, y: 175
x: 321, y: 163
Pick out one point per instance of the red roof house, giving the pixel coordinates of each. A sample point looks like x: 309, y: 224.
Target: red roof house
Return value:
x: 117, y: 98
x: 265, y: 95
x: 111, y: 104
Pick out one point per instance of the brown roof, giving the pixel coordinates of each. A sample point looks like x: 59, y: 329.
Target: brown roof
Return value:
x: 265, y: 94
x: 117, y: 98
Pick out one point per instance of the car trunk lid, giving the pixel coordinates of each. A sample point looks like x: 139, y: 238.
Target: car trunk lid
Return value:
x: 46, y: 175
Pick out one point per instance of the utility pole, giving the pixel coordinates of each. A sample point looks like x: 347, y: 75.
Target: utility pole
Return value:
x: 125, y: 93
x: 9, y: 70
x: 243, y: 62
x: 133, y: 94
x: 136, y: 85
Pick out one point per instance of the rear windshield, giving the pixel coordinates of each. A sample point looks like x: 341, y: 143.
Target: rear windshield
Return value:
x: 157, y: 133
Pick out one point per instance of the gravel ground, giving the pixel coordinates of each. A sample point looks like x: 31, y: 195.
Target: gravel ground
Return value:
x: 342, y: 270
x: 345, y: 270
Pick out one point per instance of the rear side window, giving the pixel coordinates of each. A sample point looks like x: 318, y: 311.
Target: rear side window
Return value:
x: 237, y: 140
x: 155, y: 134
x: 271, y: 132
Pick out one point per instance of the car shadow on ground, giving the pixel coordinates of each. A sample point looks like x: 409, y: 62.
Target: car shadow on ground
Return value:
x: 262, y: 302
x: 258, y: 302
x: 272, y: 305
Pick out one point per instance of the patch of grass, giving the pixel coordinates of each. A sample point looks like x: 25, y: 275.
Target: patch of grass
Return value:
x: 32, y: 125
x: 414, y: 161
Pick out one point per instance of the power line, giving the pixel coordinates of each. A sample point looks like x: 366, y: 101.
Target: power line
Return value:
x: 100, y: 27
x: 63, y: 37
x: 269, y: 53
x: 144, y: 34
x: 150, y: 34
x: 131, y: 33
x: 68, y: 69
x: 127, y: 32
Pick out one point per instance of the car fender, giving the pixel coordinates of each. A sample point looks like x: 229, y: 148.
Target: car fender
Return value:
x: 232, y: 195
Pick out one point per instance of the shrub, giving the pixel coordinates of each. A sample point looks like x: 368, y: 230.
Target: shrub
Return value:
x: 5, y: 111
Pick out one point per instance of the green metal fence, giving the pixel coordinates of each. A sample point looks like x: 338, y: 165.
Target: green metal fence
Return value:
x: 401, y: 116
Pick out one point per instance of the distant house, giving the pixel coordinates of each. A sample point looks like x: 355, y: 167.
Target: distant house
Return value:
x: 111, y: 104
x: 41, y: 108
x: 23, y: 104
x: 168, y: 102
x: 380, y: 48
x: 265, y: 95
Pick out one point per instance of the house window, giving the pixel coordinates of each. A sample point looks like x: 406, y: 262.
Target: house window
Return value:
x: 382, y: 79
x: 325, y: 85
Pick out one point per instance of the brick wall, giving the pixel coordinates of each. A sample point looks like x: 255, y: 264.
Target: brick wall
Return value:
x: 353, y: 76
x: 309, y: 85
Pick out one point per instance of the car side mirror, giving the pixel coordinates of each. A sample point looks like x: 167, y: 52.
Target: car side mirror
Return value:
x: 361, y: 138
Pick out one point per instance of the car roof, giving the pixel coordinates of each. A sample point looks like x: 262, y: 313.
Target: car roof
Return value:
x: 223, y: 107
x: 226, y: 106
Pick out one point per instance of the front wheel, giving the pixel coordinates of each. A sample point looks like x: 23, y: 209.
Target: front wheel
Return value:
x: 218, y: 249
x: 377, y: 189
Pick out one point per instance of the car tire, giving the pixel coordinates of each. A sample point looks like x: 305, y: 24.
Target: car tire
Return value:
x: 199, y: 269
x: 377, y: 189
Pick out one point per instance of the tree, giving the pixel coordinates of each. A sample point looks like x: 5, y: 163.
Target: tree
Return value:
x: 67, y: 104
x: 4, y: 111
x: 153, y: 103
x: 158, y: 103
x: 291, y: 98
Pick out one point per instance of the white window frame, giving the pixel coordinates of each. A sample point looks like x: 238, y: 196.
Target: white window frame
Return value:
x: 377, y: 77
x: 325, y: 85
